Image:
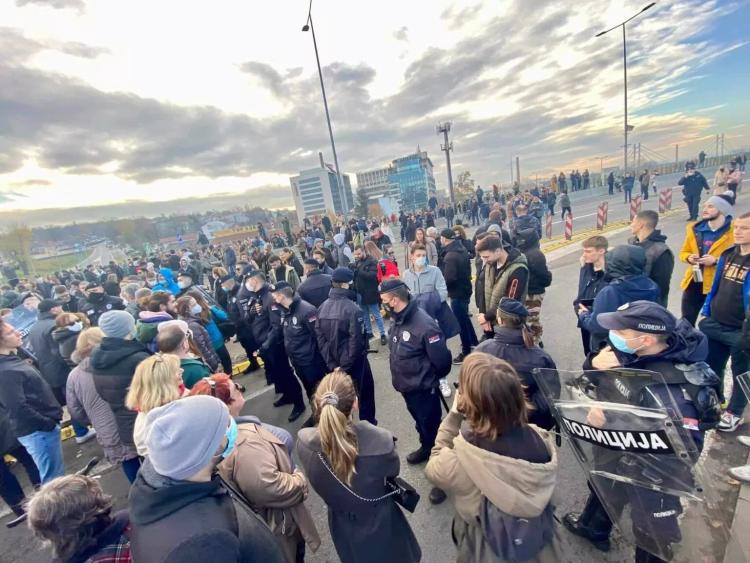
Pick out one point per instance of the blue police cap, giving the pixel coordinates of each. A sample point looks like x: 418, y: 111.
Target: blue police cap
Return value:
x: 512, y: 307
x: 342, y: 275
x: 643, y: 316
x: 391, y: 284
x: 278, y: 286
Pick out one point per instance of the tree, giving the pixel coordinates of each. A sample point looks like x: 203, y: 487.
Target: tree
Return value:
x: 361, y: 209
x: 463, y: 187
x: 15, y: 244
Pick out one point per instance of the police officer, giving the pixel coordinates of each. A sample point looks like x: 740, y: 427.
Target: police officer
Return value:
x: 419, y: 357
x: 264, y: 318
x: 316, y: 285
x: 298, y: 320
x: 234, y: 306
x: 97, y: 302
x: 645, y: 336
x: 340, y: 331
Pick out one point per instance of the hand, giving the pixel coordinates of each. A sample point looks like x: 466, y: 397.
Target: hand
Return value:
x: 582, y: 309
x: 258, y: 309
x: 605, y: 359
x: 454, y: 406
x: 256, y: 354
x: 693, y: 259
x: 486, y: 326
x: 480, y: 318
x: 707, y: 260
x: 596, y: 417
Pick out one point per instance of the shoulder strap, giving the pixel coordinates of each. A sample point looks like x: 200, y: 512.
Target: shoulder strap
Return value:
x: 344, y: 485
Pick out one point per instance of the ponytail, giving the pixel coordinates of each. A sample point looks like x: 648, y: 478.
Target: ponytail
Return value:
x: 518, y: 323
x: 528, y: 338
x: 333, y: 402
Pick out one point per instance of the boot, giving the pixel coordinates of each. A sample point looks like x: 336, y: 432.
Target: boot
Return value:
x: 419, y: 455
x: 592, y: 524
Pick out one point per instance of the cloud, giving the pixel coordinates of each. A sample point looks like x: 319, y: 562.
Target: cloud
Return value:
x: 266, y: 75
x: 82, y: 50
x: 401, y: 34
x: 31, y: 183
x: 56, y: 4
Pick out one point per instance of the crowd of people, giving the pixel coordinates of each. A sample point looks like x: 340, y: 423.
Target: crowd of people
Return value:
x: 137, y: 354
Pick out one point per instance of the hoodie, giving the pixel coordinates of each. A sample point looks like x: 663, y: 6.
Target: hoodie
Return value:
x: 113, y: 364
x: 169, y: 285
x: 625, y: 266
x: 659, y: 261
x: 147, y: 327
x: 540, y: 277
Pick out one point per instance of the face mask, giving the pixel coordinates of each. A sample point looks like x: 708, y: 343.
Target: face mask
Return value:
x: 231, y: 439
x: 421, y: 261
x: 76, y: 327
x: 182, y: 284
x: 150, y: 283
x: 249, y: 287
x: 622, y: 343
x: 196, y: 309
x: 225, y: 289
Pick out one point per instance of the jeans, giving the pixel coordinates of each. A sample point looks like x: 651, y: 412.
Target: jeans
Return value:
x: 693, y: 202
x: 565, y: 211
x: 78, y: 429
x: 375, y: 310
x: 45, y: 449
x: 130, y: 467
x: 725, y: 342
x: 468, y: 335
x: 10, y: 489
x: 449, y: 220
x: 225, y: 359
x: 692, y: 301
x: 628, y: 195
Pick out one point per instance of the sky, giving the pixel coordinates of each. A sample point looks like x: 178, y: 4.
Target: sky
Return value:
x: 109, y: 102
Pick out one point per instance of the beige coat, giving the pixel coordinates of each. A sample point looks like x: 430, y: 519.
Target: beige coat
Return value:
x: 515, y: 486
x: 261, y: 469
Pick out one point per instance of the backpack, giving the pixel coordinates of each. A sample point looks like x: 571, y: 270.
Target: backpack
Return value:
x: 386, y: 269
x: 515, y: 539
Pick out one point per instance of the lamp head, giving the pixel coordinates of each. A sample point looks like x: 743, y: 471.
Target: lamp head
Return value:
x: 305, y: 27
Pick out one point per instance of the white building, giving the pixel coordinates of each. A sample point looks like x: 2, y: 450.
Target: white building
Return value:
x: 315, y: 192
x: 375, y: 183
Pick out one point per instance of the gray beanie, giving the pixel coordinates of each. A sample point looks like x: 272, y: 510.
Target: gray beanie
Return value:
x: 721, y: 203
x: 184, y: 435
x: 117, y: 324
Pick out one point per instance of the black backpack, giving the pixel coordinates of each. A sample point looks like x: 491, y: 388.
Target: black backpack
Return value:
x: 512, y: 538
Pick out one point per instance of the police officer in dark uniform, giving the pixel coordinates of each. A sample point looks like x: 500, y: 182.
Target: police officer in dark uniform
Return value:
x: 264, y: 318
x: 645, y: 336
x: 234, y: 307
x: 298, y: 320
x: 340, y: 331
x: 419, y: 357
x: 97, y: 302
x: 316, y: 285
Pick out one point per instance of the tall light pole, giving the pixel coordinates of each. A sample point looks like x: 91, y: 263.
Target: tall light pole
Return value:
x: 626, y: 127
x: 444, y: 128
x: 342, y: 190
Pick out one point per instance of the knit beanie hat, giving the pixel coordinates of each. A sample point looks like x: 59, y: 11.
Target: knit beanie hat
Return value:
x: 117, y: 324
x: 722, y: 203
x: 184, y: 435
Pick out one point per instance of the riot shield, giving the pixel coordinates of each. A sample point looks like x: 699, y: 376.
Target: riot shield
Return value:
x: 642, y: 462
x: 744, y: 382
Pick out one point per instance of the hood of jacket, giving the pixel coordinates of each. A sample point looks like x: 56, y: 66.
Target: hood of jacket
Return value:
x: 151, y: 317
x: 63, y: 333
x: 338, y: 238
x: 686, y: 346
x: 655, y: 236
x: 112, y: 351
x: 637, y: 288
x: 527, y: 239
x: 456, y: 246
x: 625, y: 260
x: 515, y: 486
x: 706, y: 228
x: 153, y: 496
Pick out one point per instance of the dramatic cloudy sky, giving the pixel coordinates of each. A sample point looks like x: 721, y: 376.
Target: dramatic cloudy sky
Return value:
x: 113, y: 101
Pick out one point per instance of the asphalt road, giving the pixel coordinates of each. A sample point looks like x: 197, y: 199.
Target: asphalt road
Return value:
x: 431, y: 524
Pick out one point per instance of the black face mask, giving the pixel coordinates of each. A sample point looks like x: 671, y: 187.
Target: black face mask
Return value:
x: 96, y: 297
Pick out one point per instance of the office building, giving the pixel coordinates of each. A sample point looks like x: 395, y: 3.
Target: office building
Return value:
x: 413, y: 174
x: 316, y: 192
x: 375, y: 183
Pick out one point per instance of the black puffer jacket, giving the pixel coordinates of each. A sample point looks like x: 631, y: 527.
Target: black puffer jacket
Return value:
x: 508, y: 345
x: 659, y: 261
x: 300, y: 342
x: 315, y: 288
x: 366, y: 280
x: 113, y: 364
x: 340, y: 331
x: 457, y: 270
x: 27, y: 397
x: 540, y: 277
x: 51, y: 364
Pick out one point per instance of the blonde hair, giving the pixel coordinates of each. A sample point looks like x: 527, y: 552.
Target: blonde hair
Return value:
x: 89, y: 339
x: 371, y: 249
x: 332, y: 405
x: 154, y: 383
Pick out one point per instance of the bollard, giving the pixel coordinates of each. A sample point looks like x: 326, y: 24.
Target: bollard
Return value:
x: 548, y: 226
x: 635, y: 206
x: 669, y: 200
x: 568, y: 226
x: 601, y: 215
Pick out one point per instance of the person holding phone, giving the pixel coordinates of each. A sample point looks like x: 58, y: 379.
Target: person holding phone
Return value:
x: 693, y: 182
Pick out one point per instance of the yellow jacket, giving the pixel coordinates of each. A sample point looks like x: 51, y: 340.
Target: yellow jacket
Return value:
x: 690, y: 246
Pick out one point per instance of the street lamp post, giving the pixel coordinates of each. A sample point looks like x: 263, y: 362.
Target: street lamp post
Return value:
x: 342, y: 189
x: 626, y: 127
x: 444, y: 128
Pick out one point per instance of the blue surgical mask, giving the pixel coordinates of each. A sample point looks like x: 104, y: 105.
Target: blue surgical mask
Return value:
x: 622, y: 343
x: 231, y: 439
x: 421, y: 261
x: 196, y: 309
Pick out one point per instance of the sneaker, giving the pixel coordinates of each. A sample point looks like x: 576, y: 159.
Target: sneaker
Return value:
x: 729, y: 422
x: 741, y: 473
x: 383, y: 340
x: 458, y: 360
x: 744, y: 440
x: 86, y: 437
x: 437, y: 495
x: 418, y: 456
x: 445, y: 389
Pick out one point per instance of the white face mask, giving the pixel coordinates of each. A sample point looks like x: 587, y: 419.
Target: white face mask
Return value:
x: 76, y: 327
x: 196, y: 309
x: 182, y: 284
x: 420, y: 261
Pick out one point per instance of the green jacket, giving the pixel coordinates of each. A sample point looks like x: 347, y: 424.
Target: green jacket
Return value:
x: 193, y: 370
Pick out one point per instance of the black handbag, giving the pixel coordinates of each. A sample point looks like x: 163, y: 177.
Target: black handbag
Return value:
x: 402, y: 492
x: 227, y: 329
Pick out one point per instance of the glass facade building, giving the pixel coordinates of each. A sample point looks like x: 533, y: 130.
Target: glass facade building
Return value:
x: 316, y: 192
x: 414, y: 177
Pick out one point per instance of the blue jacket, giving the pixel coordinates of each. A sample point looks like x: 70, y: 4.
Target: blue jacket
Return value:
x: 717, y: 280
x: 217, y: 338
x: 170, y: 285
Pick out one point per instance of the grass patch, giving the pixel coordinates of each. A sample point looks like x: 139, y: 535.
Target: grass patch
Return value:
x: 57, y: 263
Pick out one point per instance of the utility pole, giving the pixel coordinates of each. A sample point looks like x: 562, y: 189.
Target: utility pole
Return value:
x: 639, y: 155
x: 716, y: 154
x: 676, y: 156
x: 447, y: 147
x: 511, y: 172
x: 722, y: 146
x: 518, y: 172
